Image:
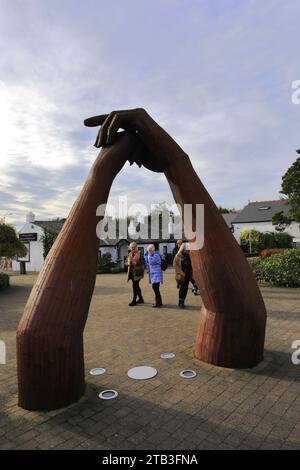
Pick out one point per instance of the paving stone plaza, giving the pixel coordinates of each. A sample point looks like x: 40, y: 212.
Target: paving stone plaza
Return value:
x: 220, y: 408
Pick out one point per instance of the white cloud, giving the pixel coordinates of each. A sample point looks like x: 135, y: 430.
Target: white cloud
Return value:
x: 29, y: 131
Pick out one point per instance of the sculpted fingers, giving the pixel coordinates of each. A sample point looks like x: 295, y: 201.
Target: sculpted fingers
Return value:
x: 102, y: 134
x: 95, y: 121
x: 129, y: 120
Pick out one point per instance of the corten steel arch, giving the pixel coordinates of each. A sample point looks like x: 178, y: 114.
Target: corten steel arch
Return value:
x: 231, y: 328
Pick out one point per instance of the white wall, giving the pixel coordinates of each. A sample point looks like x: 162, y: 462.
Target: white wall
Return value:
x: 263, y: 227
x: 36, y: 249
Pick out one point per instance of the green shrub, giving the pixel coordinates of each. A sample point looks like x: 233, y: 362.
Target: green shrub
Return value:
x: 256, y: 240
x: 48, y: 240
x: 261, y: 241
x: 281, y: 269
x: 276, y: 240
x: 4, y: 281
x: 255, y: 263
x: 104, y: 264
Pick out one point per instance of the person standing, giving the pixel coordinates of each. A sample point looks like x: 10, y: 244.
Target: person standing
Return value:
x: 136, y: 266
x: 183, y: 272
x: 155, y: 273
x: 175, y: 251
x: 176, y: 248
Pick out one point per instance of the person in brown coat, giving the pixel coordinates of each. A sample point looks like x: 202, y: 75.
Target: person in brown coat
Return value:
x: 136, y: 266
x: 183, y: 272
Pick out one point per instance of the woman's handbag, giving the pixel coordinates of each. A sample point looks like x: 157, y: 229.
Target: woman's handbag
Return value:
x: 180, y: 277
x: 163, y: 264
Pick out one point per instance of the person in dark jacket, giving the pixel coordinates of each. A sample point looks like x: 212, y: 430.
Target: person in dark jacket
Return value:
x: 155, y: 273
x: 177, y: 247
x: 175, y: 251
x: 183, y: 272
x: 136, y: 266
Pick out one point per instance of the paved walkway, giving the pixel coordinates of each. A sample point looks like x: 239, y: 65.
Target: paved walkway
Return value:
x: 219, y: 409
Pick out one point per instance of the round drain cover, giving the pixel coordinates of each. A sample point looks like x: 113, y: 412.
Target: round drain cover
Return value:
x: 108, y: 394
x: 97, y: 371
x: 188, y: 374
x: 167, y: 355
x: 142, y: 373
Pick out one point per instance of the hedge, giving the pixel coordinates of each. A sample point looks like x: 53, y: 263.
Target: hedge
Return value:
x: 280, y: 269
x: 261, y: 241
x: 255, y: 264
x: 4, y: 281
x: 271, y: 251
x: 106, y: 266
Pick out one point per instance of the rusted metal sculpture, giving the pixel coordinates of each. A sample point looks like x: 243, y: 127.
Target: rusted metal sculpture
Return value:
x: 50, y: 334
x: 232, y: 321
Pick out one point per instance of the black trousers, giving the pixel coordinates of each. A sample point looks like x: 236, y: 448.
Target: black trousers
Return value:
x: 136, y: 289
x: 155, y: 287
x: 183, y: 289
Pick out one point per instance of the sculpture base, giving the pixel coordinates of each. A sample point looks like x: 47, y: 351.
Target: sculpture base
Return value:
x: 52, y: 375
x: 236, y: 342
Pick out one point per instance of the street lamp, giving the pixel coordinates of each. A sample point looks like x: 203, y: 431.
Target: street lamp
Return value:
x: 250, y: 242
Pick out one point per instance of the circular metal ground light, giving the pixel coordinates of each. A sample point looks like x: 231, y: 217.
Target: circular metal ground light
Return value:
x: 108, y: 394
x: 188, y: 374
x: 167, y: 355
x: 142, y: 373
x: 97, y: 371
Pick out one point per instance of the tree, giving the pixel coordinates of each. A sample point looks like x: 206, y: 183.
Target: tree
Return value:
x: 104, y: 263
x: 224, y: 210
x: 281, y: 221
x: 48, y: 239
x: 290, y: 187
x: 10, y: 245
x: 251, y: 240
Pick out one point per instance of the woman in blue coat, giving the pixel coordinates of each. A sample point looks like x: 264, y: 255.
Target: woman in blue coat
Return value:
x: 155, y: 273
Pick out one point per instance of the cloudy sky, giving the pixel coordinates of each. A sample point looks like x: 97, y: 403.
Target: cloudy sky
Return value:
x: 216, y: 74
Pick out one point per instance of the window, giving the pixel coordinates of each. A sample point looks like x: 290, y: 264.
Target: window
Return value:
x: 165, y: 250
x: 264, y: 208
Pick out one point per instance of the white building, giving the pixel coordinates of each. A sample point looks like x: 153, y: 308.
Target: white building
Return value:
x: 258, y: 215
x: 33, y: 231
x: 119, y: 248
x: 31, y: 234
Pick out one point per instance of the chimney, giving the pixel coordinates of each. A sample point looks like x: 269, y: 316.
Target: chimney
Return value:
x: 30, y: 218
x: 171, y: 225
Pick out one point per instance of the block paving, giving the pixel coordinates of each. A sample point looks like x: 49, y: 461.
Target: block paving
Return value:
x: 256, y: 408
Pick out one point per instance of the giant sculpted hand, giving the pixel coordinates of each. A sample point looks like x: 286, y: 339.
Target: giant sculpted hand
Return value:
x: 157, y: 149
x: 232, y: 322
